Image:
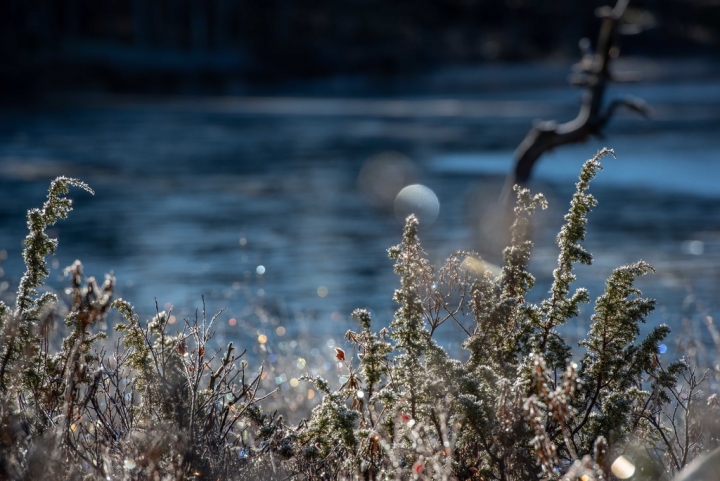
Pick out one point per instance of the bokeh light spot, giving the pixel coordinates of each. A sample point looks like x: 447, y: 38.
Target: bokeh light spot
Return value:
x: 623, y: 468
x: 280, y: 331
x: 662, y: 348
x: 260, y: 270
x: 476, y: 267
x: 232, y: 321
x: 322, y: 291
x: 294, y: 382
x: 262, y: 338
x: 419, y: 200
x: 693, y: 247
x: 383, y: 175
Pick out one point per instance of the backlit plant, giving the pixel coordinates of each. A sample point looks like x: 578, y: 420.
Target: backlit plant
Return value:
x: 158, y: 404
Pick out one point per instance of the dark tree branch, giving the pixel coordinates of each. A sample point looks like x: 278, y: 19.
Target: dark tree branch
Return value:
x: 592, y: 73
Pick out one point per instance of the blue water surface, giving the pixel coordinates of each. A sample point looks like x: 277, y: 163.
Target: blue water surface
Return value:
x: 254, y: 202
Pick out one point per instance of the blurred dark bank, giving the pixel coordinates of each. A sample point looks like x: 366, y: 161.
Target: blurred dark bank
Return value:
x: 226, y: 46
x: 253, y: 152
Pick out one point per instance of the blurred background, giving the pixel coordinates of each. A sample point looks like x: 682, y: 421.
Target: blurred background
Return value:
x: 226, y: 45
x: 258, y: 153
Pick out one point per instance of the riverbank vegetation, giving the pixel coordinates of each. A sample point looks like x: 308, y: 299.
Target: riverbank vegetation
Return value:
x: 157, y: 402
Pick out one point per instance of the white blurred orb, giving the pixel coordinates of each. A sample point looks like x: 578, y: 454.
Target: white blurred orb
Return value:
x: 419, y: 200
x: 623, y: 468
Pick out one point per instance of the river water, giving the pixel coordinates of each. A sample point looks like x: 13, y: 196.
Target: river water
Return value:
x: 263, y: 203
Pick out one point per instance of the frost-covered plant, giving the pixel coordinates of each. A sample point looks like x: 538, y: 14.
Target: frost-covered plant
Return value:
x: 153, y: 406
x: 19, y: 327
x: 519, y: 407
x: 157, y: 404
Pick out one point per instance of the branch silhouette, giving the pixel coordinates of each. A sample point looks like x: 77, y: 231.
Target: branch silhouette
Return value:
x: 593, y: 73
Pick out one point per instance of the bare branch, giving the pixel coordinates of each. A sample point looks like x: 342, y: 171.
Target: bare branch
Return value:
x: 592, y: 73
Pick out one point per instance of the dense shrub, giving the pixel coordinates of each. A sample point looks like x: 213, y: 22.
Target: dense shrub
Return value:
x: 157, y: 404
